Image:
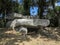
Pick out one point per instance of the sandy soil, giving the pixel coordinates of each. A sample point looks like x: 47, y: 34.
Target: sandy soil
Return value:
x: 13, y: 38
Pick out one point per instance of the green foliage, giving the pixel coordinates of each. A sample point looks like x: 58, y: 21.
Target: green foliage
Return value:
x: 57, y: 8
x: 1, y: 23
x: 21, y: 9
x: 50, y: 15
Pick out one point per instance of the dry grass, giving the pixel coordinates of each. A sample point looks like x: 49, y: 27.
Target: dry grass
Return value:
x: 13, y: 38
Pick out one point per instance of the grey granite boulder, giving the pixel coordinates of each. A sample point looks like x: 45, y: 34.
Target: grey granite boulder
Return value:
x: 28, y: 22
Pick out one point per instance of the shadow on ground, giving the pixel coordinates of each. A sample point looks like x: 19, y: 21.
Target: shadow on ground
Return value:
x: 14, y: 39
x: 51, y: 32
x: 11, y: 39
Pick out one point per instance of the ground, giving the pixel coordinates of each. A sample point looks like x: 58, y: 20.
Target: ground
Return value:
x: 8, y: 37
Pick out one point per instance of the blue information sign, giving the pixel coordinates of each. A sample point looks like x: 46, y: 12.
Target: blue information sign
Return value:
x: 33, y: 10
